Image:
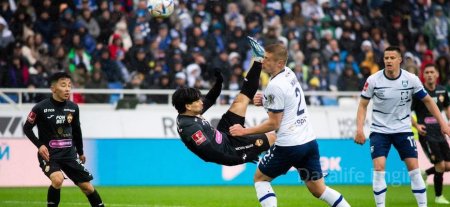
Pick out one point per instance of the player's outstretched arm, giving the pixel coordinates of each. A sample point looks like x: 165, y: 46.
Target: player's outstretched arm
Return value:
x: 433, y: 109
x: 360, y: 138
x: 214, y: 92
x: 270, y: 124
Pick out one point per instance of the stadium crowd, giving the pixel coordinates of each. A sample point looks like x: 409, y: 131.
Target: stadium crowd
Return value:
x: 334, y: 45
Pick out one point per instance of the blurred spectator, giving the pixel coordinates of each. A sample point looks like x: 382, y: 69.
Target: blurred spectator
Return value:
x: 96, y: 81
x: 180, y: 80
x: 335, y: 68
x: 116, y: 46
x: 45, y: 25
x: 136, y: 83
x: 369, y: 62
x: 110, y: 68
x: 427, y: 58
x: 89, y: 22
x: 311, y: 9
x: 59, y: 35
x: 80, y: 76
x: 78, y: 55
x: 6, y: 36
x: 437, y: 27
x: 17, y: 73
x: 163, y: 83
x: 106, y: 29
x: 140, y: 62
x: 58, y: 61
x: 348, y: 80
x: 233, y: 15
x: 29, y: 50
x: 442, y: 64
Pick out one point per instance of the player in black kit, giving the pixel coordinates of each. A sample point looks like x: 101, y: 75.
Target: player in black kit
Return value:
x: 431, y: 138
x: 217, y: 145
x: 60, y: 140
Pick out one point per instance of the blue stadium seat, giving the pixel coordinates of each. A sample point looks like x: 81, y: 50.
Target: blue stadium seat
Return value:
x: 12, y: 96
x: 328, y: 101
x: 113, y: 98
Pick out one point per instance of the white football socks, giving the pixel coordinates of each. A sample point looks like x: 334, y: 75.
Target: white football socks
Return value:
x: 418, y: 187
x: 379, y: 188
x: 265, y: 194
x: 333, y: 198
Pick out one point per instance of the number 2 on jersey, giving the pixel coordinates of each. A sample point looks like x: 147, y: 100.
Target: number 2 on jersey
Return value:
x: 298, y: 94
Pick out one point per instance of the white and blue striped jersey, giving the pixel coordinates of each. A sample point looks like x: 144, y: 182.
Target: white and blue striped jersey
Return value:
x: 284, y: 94
x: 392, y: 100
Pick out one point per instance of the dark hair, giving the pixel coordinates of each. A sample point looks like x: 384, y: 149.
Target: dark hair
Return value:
x: 394, y: 48
x: 431, y: 65
x: 58, y: 75
x: 183, y: 96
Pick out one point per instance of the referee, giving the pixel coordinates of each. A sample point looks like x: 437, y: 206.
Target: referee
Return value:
x: 431, y: 138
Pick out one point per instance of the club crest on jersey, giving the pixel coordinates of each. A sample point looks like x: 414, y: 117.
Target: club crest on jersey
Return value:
x: 198, y: 137
x: 404, y: 83
x: 259, y: 142
x: 69, y: 118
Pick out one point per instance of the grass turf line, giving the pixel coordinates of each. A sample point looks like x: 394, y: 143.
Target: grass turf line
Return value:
x: 209, y: 196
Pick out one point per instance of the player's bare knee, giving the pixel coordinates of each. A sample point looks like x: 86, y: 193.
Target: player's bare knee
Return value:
x: 379, y: 164
x: 57, y: 179
x: 86, y: 187
x: 440, y: 166
x: 259, y: 177
x: 316, y: 187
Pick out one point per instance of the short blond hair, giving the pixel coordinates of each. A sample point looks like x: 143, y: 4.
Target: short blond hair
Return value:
x: 279, y: 51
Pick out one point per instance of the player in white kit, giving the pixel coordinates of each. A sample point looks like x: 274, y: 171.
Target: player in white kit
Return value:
x: 296, y: 143
x: 391, y: 91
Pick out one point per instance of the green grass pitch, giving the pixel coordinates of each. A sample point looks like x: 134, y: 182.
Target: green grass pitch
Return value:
x: 207, y: 196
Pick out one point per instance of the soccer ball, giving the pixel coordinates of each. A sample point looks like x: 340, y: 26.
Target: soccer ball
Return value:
x: 160, y: 8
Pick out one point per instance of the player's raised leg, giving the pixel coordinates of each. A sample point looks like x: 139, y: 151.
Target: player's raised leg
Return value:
x: 251, y: 81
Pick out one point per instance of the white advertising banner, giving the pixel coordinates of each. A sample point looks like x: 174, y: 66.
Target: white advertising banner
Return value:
x: 160, y: 121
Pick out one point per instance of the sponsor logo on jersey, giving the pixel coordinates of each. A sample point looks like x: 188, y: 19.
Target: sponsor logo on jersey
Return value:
x: 198, y: 137
x: 70, y: 110
x: 31, y: 117
x: 60, y: 143
x: 49, y: 117
x: 60, y: 119
x: 218, y: 137
x: 49, y: 110
x: 69, y: 118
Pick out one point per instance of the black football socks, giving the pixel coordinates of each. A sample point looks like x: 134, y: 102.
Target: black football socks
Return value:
x: 53, y: 196
x: 251, y: 81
